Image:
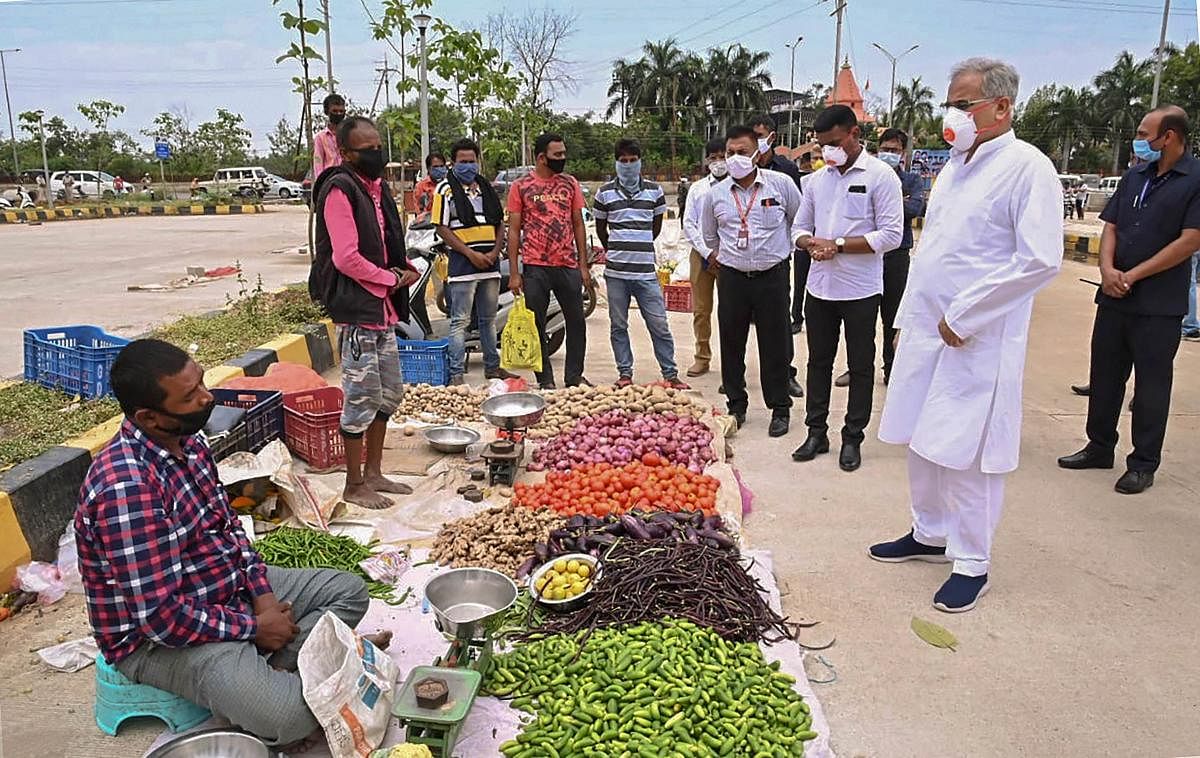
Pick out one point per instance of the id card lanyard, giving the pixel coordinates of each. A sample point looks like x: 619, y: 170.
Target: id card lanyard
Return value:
x: 743, y: 239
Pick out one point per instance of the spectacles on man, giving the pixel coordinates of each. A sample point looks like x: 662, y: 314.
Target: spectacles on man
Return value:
x: 964, y: 105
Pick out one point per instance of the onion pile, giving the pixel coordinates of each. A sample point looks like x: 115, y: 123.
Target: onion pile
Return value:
x: 618, y: 437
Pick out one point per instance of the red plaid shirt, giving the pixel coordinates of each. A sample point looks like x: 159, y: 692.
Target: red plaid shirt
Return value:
x: 162, y: 554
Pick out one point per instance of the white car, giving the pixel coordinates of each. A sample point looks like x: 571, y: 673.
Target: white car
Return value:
x: 246, y: 181
x: 284, y: 189
x: 91, y: 184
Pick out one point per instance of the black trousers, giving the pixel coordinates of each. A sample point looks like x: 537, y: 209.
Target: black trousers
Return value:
x: 567, y: 286
x: 825, y: 320
x: 895, y: 278
x: 1147, y: 344
x: 761, y: 297
x: 801, y: 263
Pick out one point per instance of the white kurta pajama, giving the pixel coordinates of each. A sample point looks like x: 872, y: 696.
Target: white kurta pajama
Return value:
x: 992, y: 238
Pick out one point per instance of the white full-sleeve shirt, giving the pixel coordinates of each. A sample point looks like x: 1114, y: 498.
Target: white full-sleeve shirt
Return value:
x: 992, y: 238
x: 866, y: 201
x: 691, y: 214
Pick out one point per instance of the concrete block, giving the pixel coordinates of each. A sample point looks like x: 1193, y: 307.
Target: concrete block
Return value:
x: 289, y: 348
x: 44, y: 492
x: 98, y: 436
x: 14, y: 550
x: 216, y: 375
x: 254, y: 362
x: 320, y: 347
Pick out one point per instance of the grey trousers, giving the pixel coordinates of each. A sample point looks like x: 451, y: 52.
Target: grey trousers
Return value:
x: 235, y: 681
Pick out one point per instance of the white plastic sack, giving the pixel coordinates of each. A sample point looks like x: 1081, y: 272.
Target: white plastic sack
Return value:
x: 349, y: 685
x: 42, y: 578
x: 71, y: 656
x: 68, y: 562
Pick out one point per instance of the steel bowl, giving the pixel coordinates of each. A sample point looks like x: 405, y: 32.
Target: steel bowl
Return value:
x: 450, y: 439
x: 514, y: 410
x: 571, y: 603
x: 221, y: 742
x: 466, y: 600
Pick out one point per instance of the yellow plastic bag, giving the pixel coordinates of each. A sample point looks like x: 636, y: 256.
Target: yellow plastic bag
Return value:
x: 520, y: 345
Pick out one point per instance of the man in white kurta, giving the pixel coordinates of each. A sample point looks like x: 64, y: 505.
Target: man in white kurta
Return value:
x: 992, y: 239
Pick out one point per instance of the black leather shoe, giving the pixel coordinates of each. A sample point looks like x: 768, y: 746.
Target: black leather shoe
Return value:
x: 1083, y: 390
x: 721, y: 389
x: 739, y: 419
x: 779, y: 426
x: 851, y: 457
x: 794, y: 388
x: 1086, y: 458
x: 815, y: 445
x: 1134, y: 482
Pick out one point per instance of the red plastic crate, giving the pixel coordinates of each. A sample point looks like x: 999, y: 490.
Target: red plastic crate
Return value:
x: 311, y: 421
x: 678, y: 297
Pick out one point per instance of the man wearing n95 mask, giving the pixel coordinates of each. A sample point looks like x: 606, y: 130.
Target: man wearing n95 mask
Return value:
x: 992, y: 239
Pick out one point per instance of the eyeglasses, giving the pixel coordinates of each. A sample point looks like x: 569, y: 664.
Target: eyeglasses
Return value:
x: 963, y: 105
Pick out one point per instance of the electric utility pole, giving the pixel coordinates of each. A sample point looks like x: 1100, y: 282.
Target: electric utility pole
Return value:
x: 837, y: 48
x: 1158, y: 56
x: 12, y: 132
x: 892, y: 91
x: 792, y: 94
x: 328, y: 49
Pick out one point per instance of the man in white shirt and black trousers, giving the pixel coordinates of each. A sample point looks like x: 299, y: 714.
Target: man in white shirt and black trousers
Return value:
x: 852, y: 212
x: 746, y: 221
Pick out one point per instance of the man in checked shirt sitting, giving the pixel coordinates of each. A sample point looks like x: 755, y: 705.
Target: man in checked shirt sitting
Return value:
x: 177, y: 597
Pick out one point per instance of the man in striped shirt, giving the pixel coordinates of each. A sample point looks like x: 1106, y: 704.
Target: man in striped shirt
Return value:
x: 629, y: 214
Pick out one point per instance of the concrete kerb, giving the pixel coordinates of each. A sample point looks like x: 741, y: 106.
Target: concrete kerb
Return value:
x: 68, y: 213
x: 38, y: 497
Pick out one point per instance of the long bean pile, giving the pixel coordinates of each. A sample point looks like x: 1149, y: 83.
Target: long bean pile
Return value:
x: 654, y: 689
x: 288, y: 547
x: 649, y: 580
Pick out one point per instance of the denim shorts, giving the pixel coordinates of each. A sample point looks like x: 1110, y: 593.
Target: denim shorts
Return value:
x: 371, y: 378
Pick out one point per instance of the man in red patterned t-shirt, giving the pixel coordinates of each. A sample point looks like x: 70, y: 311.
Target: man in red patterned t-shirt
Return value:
x: 546, y: 226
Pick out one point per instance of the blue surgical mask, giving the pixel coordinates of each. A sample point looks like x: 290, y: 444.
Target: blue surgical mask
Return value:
x: 629, y: 174
x: 892, y: 159
x: 437, y: 173
x: 466, y: 172
x: 1142, y: 149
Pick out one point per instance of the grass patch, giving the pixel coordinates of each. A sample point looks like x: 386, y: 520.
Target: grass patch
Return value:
x: 253, y: 318
x: 34, y: 419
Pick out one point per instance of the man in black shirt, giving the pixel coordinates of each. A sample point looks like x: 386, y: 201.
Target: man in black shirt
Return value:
x: 764, y: 129
x: 1151, y: 229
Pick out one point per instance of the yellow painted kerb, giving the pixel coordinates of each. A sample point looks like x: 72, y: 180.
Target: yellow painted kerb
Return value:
x: 97, y: 437
x: 218, y: 374
x: 14, y: 550
x: 290, y: 348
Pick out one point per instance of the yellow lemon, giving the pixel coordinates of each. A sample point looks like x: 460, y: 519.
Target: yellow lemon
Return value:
x: 560, y: 565
x: 541, y: 583
x: 573, y: 566
x: 584, y: 570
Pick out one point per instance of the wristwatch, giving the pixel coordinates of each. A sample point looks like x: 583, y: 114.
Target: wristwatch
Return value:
x: 841, y: 244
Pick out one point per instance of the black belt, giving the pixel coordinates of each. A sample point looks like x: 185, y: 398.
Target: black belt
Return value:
x: 755, y: 274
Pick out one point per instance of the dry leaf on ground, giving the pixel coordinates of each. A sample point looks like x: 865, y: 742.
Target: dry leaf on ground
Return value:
x: 934, y: 635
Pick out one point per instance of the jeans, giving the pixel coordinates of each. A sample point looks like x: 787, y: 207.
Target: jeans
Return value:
x: 650, y: 302
x: 483, y: 295
x: 1192, y: 322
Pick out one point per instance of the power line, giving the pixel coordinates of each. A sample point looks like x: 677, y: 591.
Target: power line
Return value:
x: 1089, y: 5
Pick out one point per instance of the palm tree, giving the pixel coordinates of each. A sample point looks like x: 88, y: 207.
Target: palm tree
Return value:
x: 627, y: 81
x: 1068, y: 114
x: 914, y: 104
x: 737, y: 82
x: 1120, y: 92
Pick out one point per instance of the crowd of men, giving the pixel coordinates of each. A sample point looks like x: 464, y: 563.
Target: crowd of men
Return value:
x: 179, y: 599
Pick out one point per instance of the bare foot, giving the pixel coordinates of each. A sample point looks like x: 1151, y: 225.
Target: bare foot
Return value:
x: 365, y: 496
x: 381, y: 483
x: 380, y: 640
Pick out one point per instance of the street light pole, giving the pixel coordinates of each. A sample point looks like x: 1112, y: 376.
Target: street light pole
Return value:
x: 328, y: 49
x: 1158, y: 57
x: 423, y: 20
x: 837, y: 50
x: 892, y: 92
x: 792, y: 94
x: 45, y: 163
x: 12, y: 132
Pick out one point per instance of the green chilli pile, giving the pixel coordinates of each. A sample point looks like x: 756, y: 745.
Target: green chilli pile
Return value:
x: 288, y: 547
x: 668, y: 688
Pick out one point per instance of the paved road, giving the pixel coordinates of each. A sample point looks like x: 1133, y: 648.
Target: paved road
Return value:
x: 76, y: 272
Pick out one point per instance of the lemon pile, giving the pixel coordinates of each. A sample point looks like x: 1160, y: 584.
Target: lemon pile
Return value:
x: 564, y: 580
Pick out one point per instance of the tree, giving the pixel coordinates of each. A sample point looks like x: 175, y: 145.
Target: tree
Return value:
x: 737, y: 83
x: 1181, y: 81
x: 534, y: 43
x: 446, y: 124
x: 1068, y: 113
x: 300, y: 52
x: 225, y: 139
x: 1119, y: 92
x: 99, y: 113
x: 914, y: 103
x: 286, y: 157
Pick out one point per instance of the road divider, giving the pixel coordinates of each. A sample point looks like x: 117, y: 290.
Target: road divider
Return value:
x: 114, y: 211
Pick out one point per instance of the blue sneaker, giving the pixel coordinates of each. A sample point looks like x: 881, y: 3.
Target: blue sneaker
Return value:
x: 960, y: 593
x: 907, y: 549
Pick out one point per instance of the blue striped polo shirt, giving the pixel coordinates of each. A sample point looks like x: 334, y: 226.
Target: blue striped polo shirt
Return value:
x: 630, y: 218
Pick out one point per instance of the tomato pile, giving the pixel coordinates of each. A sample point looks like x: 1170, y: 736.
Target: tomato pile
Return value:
x: 601, y: 489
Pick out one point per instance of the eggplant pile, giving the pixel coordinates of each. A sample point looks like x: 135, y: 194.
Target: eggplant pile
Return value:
x: 593, y: 535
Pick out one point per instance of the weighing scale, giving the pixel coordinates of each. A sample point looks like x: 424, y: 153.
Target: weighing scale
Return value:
x: 466, y: 603
x: 512, y: 414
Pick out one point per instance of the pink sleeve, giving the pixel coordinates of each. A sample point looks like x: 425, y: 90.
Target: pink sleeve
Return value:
x: 514, y: 199
x: 343, y: 234
x: 318, y: 157
x: 577, y: 199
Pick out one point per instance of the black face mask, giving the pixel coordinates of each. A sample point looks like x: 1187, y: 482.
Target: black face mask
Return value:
x: 369, y: 162
x: 556, y: 164
x: 189, y: 423
x: 336, y: 118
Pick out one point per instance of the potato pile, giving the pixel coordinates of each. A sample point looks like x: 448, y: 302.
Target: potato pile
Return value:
x: 436, y: 405
x: 565, y: 407
x: 501, y: 538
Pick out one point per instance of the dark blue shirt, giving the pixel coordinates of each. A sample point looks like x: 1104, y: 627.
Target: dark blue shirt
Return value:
x: 785, y: 166
x: 913, y: 188
x: 1150, y: 212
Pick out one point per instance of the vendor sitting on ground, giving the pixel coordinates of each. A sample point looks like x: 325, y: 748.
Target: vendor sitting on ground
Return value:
x: 177, y: 597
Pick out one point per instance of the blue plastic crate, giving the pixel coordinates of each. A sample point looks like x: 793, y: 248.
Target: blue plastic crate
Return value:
x: 74, y: 359
x: 425, y: 362
x: 264, y: 413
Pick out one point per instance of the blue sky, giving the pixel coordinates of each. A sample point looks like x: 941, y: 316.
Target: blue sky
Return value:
x: 152, y: 55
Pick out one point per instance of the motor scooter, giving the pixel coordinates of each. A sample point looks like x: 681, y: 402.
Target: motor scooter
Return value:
x: 16, y: 197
